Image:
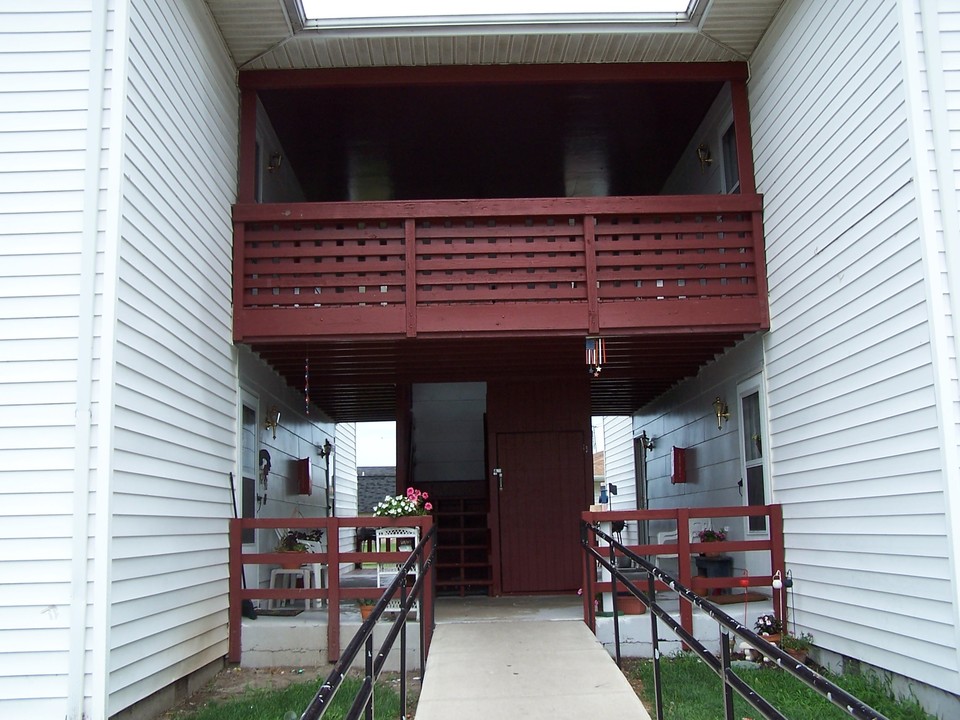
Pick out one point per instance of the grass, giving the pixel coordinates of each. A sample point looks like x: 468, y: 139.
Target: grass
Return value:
x: 291, y: 701
x: 692, y: 691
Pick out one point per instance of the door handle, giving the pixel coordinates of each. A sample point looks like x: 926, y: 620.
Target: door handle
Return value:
x: 498, y: 472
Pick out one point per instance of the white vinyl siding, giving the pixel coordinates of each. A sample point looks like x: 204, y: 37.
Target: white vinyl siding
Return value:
x: 45, y: 59
x: 345, y: 468
x: 175, y: 388
x: 619, y: 468
x: 852, y: 406
x: 618, y: 461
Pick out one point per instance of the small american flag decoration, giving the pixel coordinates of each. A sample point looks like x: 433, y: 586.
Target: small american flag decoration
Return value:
x: 596, y: 355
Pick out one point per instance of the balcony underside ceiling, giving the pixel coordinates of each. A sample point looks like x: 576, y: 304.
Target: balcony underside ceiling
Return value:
x: 357, y: 381
x: 266, y: 35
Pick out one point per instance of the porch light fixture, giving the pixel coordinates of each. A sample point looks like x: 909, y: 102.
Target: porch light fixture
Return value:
x: 326, y: 449
x: 722, y: 411
x: 703, y: 155
x: 273, y: 419
x: 276, y: 160
x: 647, y: 442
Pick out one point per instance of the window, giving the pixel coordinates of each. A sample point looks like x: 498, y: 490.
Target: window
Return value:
x: 753, y: 467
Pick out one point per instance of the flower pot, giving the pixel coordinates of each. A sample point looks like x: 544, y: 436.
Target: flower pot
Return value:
x: 799, y: 655
x: 365, y: 611
x: 772, y: 639
x: 629, y: 605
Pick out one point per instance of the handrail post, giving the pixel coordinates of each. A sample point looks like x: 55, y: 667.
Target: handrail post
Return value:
x: 368, y: 671
x: 724, y: 669
x: 403, y: 646
x: 655, y: 645
x: 778, y: 561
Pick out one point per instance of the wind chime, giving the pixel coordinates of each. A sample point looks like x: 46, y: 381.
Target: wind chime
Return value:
x: 306, y: 385
x: 596, y: 355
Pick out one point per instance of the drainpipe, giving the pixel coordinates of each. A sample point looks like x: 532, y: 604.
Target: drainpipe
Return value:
x: 83, y: 411
x: 944, y: 351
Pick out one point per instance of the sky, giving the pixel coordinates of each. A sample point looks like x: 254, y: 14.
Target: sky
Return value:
x: 376, y: 444
x: 411, y: 8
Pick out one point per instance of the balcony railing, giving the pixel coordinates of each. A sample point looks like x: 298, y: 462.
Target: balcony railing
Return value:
x: 498, y: 266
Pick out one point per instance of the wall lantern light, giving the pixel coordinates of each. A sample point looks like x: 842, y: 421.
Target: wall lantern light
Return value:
x: 273, y: 419
x: 703, y: 155
x: 327, y: 448
x: 721, y: 410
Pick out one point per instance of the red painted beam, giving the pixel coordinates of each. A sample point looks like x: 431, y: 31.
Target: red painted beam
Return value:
x: 493, y: 74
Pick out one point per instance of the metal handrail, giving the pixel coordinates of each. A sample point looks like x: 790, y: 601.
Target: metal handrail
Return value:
x: 373, y: 664
x: 731, y: 681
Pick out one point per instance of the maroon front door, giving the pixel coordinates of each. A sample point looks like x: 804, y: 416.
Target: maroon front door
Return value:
x: 542, y: 491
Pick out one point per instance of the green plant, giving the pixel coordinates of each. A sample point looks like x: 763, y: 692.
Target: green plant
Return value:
x: 291, y: 543
x: 800, y: 642
x: 768, y: 625
x: 366, y: 601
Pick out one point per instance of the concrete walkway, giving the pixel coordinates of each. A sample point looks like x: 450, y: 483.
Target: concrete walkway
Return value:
x: 523, y: 669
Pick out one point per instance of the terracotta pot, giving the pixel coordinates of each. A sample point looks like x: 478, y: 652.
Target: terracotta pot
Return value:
x: 629, y: 605
x: 799, y: 655
x: 365, y: 611
x: 772, y: 639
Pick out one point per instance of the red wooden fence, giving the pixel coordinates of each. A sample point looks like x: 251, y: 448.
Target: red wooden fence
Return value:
x: 684, y: 549
x: 332, y: 558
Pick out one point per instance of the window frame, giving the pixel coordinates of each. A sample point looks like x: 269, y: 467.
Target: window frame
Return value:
x: 750, y: 386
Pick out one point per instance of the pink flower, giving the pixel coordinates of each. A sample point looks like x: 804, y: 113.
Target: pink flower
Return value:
x: 424, y: 495
x: 428, y: 507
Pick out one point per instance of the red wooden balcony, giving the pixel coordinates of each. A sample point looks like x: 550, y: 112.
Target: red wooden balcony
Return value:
x: 559, y: 266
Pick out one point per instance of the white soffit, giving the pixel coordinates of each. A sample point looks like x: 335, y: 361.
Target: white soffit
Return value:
x: 275, y: 35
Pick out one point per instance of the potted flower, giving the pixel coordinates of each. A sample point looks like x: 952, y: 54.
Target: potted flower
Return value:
x: 797, y: 646
x: 290, y: 543
x: 708, y: 536
x: 366, y: 607
x: 411, y: 504
x: 769, y: 628
x: 414, y: 502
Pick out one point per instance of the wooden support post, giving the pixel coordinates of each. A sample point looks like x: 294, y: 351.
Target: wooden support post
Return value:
x: 684, y: 565
x: 333, y: 589
x: 235, y: 612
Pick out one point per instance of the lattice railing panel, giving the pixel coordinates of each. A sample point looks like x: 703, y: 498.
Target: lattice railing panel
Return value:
x: 678, y: 256
x: 335, y: 263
